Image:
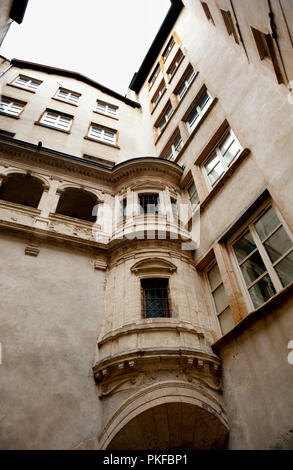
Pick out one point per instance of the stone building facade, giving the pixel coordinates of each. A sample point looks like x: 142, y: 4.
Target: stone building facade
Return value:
x: 146, y: 242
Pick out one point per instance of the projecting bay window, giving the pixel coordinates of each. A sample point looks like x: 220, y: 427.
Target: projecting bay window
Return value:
x: 67, y: 96
x: 174, y: 148
x: 168, y: 49
x: 107, y: 109
x: 222, y: 158
x: 219, y: 298
x: 155, y: 298
x: 102, y: 134
x: 164, y: 119
x: 264, y: 255
x: 185, y: 84
x: 198, y: 111
x: 11, y: 107
x: 56, y: 120
x: 149, y: 203
x: 26, y: 83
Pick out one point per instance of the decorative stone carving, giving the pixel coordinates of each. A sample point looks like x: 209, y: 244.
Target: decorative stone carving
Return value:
x: 153, y: 267
x: 32, y: 250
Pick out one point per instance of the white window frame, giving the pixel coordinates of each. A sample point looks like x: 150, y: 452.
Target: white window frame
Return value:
x: 154, y: 75
x: 200, y: 111
x: 217, y: 153
x: 71, y: 96
x: 29, y: 85
x: 175, y: 65
x: 11, y: 108
x: 269, y: 265
x: 168, y: 48
x: 102, y: 135
x: 57, y: 121
x: 193, y: 206
x: 159, y: 93
x: 164, y: 119
x: 107, y: 108
x: 175, y: 148
x: 186, y: 83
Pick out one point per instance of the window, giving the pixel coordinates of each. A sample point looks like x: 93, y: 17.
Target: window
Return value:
x: 220, y: 300
x: 207, y: 12
x: 22, y: 189
x: 158, y: 94
x: 264, y: 254
x: 124, y: 208
x: 26, y: 83
x: 164, y: 119
x: 149, y: 203
x: 222, y: 157
x: 105, y: 108
x: 185, y: 84
x: 193, y: 195
x: 174, y: 148
x: 265, y: 47
x: 199, y: 110
x: 175, y: 64
x: 57, y: 120
x: 12, y: 108
x: 77, y: 203
x: 168, y: 49
x: 155, y: 302
x: 103, y: 134
x: 174, y: 208
x: 227, y: 17
x: 68, y: 96
x: 154, y: 75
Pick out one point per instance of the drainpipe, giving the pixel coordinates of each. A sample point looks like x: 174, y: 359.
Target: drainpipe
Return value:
x: 6, y: 70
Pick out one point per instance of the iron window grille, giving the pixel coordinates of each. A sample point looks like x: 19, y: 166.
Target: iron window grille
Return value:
x: 149, y: 203
x: 155, y: 298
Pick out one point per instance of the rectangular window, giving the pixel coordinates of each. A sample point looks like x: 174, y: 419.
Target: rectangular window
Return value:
x: 106, y: 108
x: 158, y: 94
x: 174, y: 148
x: 227, y: 17
x: 222, y: 158
x: 261, y: 44
x: 185, y: 84
x: 164, y: 119
x: 174, y: 208
x: 207, y: 12
x: 199, y: 110
x: 67, y: 96
x: 124, y: 208
x: 154, y: 75
x: 264, y: 254
x: 149, y: 203
x: 102, y: 134
x: 12, y: 108
x: 27, y: 83
x: 193, y: 196
x: 175, y: 64
x: 56, y: 120
x: 220, y: 300
x: 168, y: 49
x: 155, y: 302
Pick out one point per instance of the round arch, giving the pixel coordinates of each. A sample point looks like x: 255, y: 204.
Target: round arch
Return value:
x: 22, y: 188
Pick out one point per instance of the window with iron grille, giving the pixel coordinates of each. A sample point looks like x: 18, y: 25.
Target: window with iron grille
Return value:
x: 149, y: 203
x: 155, y: 301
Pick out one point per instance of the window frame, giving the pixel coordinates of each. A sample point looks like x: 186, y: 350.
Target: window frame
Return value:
x: 179, y: 57
x: 11, y: 103
x: 164, y: 116
x: 59, y: 115
x: 185, y: 83
x: 172, y: 148
x: 200, y: 111
x: 26, y: 87
x: 107, y: 106
x: 103, y: 129
x: 154, y: 75
x: 193, y: 206
x: 166, y: 299
x: 158, y: 94
x: 269, y: 265
x: 168, y: 48
x: 149, y: 194
x: 217, y: 152
x: 69, y: 94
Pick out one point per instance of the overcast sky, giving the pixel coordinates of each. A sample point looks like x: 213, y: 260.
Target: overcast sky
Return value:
x: 103, y: 39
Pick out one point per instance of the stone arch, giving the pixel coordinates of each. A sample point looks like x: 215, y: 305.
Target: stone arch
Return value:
x: 22, y: 188
x: 167, y: 416
x: 78, y: 203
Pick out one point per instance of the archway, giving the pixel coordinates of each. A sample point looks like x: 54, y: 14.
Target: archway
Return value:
x: 22, y: 189
x: 77, y: 203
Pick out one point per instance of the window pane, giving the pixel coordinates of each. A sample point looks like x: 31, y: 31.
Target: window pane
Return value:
x: 278, y: 244
x: 193, y: 117
x: 253, y: 268
x: 212, y: 163
x: 214, y: 277
x: 216, y: 173
x: 285, y: 270
x: 156, y: 297
x: 204, y: 100
x: 148, y: 203
x: 226, y: 320
x: 244, y: 246
x: 220, y: 298
x: 262, y: 291
x: 232, y: 152
x: 267, y: 223
x: 226, y: 143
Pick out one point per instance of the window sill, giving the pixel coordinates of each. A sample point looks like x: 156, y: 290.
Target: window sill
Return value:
x: 9, y: 115
x: 20, y: 88
x: 245, y: 152
x: 106, y: 115
x: 268, y: 307
x: 37, y: 123
x: 101, y: 142
x: 65, y: 102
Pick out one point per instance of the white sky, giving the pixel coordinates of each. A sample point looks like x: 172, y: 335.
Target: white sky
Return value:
x: 103, y: 39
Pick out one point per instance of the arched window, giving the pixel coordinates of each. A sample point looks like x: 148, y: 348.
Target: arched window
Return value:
x: 77, y: 203
x: 22, y: 189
